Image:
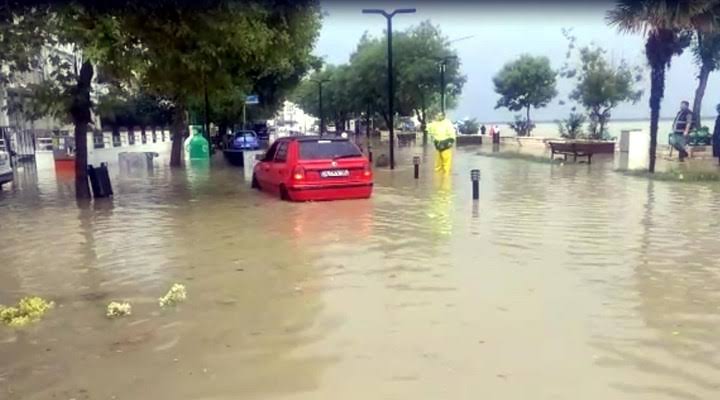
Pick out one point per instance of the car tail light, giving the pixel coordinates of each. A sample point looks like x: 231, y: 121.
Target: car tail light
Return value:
x: 299, y: 173
x: 367, y: 172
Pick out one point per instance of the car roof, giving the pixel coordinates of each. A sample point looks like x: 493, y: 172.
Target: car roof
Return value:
x: 245, y: 131
x: 316, y: 138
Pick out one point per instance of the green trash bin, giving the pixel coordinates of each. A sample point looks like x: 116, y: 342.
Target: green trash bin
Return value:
x: 197, y: 146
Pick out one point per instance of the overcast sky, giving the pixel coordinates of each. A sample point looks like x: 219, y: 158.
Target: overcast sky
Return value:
x: 500, y: 32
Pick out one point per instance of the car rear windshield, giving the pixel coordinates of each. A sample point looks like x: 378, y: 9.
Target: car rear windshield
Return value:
x: 247, y: 135
x: 327, y: 149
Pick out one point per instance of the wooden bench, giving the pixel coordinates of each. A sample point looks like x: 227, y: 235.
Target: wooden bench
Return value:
x: 571, y: 148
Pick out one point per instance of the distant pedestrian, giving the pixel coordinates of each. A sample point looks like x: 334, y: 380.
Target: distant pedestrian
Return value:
x: 716, y: 135
x: 482, y: 130
x: 496, y: 134
x: 681, y: 129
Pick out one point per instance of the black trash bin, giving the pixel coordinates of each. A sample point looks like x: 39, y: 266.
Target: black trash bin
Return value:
x: 100, y: 181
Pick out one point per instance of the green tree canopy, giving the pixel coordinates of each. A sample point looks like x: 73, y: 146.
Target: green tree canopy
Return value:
x: 171, y: 49
x: 223, y: 47
x: 600, y: 85
x: 362, y: 83
x: 706, y: 49
x: 86, y: 33
x: 525, y: 83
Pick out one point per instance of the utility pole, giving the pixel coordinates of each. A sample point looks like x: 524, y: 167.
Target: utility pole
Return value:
x: 391, y: 92
x: 320, y: 105
x: 207, y: 110
x: 443, y: 61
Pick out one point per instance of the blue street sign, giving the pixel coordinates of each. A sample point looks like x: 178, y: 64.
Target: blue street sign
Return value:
x: 252, y: 99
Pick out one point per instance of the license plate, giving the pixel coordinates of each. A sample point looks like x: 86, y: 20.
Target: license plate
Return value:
x: 334, y: 173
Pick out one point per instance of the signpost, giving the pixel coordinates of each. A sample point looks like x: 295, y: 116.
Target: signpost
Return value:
x: 249, y: 99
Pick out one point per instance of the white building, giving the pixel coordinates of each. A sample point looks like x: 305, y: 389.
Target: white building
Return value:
x: 291, y: 118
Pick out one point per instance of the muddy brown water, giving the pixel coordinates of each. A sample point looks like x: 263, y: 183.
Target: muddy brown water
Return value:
x: 562, y: 282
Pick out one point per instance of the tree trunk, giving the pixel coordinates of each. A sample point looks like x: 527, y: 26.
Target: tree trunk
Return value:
x: 179, y: 132
x: 700, y: 92
x: 115, y: 134
x: 527, y: 122
x: 222, y: 131
x: 386, y: 117
x: 421, y: 115
x: 80, y: 111
x: 367, y: 125
x: 657, y: 88
x: 143, y: 135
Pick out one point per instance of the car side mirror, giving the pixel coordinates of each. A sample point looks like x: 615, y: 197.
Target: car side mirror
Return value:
x: 259, y: 157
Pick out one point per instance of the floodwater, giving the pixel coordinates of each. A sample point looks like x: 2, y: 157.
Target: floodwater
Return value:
x: 563, y: 282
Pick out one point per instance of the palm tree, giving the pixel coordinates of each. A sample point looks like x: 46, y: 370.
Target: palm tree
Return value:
x: 668, y: 27
x: 706, y: 50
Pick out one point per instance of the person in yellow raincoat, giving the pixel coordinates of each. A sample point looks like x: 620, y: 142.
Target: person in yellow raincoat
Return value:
x: 443, y: 134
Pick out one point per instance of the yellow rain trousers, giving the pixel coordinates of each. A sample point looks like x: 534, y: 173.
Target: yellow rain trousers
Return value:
x: 442, y: 131
x: 443, y: 160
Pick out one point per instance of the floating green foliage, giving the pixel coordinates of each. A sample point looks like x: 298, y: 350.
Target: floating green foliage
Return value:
x: 118, y: 309
x: 29, y: 309
x: 176, y: 294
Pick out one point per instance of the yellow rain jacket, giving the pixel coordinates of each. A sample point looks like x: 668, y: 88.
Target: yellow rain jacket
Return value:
x: 443, y: 134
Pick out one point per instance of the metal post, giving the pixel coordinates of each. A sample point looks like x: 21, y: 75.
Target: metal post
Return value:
x: 367, y: 133
x: 367, y: 124
x: 243, y: 115
x: 416, y: 163
x: 443, y: 61
x: 475, y: 178
x: 442, y: 87
x: 322, y: 118
x: 391, y: 92
x: 207, y: 111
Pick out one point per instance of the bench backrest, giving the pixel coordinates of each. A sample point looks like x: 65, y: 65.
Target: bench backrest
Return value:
x: 561, y: 146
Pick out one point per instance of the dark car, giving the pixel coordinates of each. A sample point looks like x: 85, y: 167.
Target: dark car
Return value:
x: 244, y: 140
x: 6, y: 172
x: 261, y: 128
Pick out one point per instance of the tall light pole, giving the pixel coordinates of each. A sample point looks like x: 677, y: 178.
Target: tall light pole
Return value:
x: 320, y: 107
x: 443, y: 65
x: 391, y: 93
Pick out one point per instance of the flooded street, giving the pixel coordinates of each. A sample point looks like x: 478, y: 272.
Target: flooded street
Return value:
x: 563, y: 282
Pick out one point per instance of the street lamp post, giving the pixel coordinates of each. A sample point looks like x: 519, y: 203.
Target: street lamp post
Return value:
x: 443, y: 65
x: 320, y: 107
x: 391, y: 93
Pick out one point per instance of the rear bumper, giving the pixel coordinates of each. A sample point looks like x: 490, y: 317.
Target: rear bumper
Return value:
x: 352, y: 190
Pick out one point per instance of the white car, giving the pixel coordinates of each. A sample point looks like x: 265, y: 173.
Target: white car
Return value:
x: 6, y: 172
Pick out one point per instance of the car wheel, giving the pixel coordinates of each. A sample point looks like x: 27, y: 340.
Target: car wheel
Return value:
x: 254, y: 183
x: 284, y: 195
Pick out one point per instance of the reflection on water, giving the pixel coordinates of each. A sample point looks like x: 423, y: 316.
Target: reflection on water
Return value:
x: 561, y: 282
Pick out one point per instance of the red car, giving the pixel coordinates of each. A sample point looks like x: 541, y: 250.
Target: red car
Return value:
x: 314, y: 168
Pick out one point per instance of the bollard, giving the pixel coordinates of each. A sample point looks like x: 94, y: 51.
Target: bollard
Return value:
x: 475, y: 177
x: 416, y: 163
x: 100, y: 181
